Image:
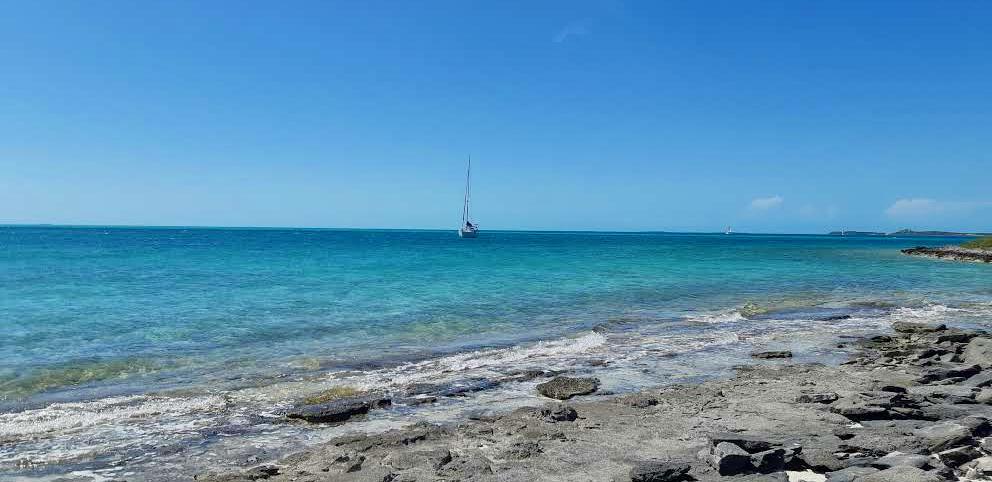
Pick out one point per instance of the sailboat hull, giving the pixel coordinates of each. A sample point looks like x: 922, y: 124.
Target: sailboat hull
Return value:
x: 464, y: 233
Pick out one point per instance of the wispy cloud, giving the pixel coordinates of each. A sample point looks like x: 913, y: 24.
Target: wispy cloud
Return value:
x: 924, y: 208
x: 574, y: 29
x: 766, y: 203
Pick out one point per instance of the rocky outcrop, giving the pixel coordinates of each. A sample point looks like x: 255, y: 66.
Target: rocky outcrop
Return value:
x: 563, y: 388
x: 338, y: 410
x: 951, y: 252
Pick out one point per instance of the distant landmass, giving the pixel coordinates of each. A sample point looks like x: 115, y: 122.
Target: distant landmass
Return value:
x: 904, y: 232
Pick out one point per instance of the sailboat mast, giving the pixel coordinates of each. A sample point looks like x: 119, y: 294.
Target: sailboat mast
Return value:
x: 468, y: 190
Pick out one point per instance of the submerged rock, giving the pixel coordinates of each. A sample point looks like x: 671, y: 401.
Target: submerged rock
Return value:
x: 772, y: 354
x: 563, y: 388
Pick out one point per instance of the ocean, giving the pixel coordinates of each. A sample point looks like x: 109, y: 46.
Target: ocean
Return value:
x: 144, y: 353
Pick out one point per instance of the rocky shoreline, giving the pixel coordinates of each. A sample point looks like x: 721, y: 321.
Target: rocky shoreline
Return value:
x: 951, y: 252
x: 915, y: 406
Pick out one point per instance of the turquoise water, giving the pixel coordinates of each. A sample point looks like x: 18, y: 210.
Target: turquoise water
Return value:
x: 131, y: 316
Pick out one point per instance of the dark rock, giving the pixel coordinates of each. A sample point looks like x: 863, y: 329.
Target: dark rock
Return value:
x: 850, y: 474
x: 557, y: 412
x: 893, y: 389
x: 468, y: 467
x: 729, y: 459
x: 656, y: 471
x: 935, y: 374
x: 455, y: 389
x: 881, y: 339
x: 772, y: 354
x: 828, y: 397
x: 751, y: 443
x: 858, y: 410
x: 958, y: 456
x: 521, y: 450
x: 337, y: 410
x: 638, y: 400
x: 563, y: 388
x: 261, y: 472
x: 944, y: 435
x: 902, y: 474
x: 413, y: 401
x: 980, y: 380
x: 917, y: 328
x: 774, y: 459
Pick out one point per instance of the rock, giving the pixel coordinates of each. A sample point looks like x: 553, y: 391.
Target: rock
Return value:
x: 521, y: 450
x: 751, y: 443
x: 337, y: 410
x: 916, y: 328
x: 774, y: 459
x: 729, y: 459
x: 557, y: 412
x: 978, y: 352
x: 772, y: 354
x: 563, y: 388
x: 655, y: 471
x: 459, y: 388
x: 984, y: 396
x: 434, y: 459
x: 896, y: 459
x: 958, y: 456
x: 981, y: 380
x: 638, y: 400
x: 828, y: 397
x: 944, y: 435
x: 850, y: 474
x: 859, y: 410
x: 776, y: 477
x: 944, y: 391
x: 901, y: 474
x: 893, y: 389
x: 261, y: 472
x: 467, y: 467
x: 936, y: 374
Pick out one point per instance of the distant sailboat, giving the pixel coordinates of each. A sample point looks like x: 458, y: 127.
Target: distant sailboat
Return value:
x: 728, y: 231
x: 467, y: 229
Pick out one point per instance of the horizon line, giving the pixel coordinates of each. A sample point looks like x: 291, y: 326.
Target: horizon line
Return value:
x: 346, y: 228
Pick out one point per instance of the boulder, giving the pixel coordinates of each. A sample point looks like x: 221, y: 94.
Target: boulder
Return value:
x: 984, y: 396
x: 563, y: 388
x: 901, y: 474
x: 774, y: 459
x: 657, y: 471
x: 432, y: 459
x: 958, y: 456
x: 981, y: 380
x: 978, y: 352
x: 729, y: 459
x: 936, y: 374
x: 896, y: 459
x: 945, y: 435
x: 772, y: 354
x: 751, y: 443
x: 338, y: 410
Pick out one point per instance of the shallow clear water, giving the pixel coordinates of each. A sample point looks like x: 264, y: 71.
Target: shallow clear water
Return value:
x: 117, y: 342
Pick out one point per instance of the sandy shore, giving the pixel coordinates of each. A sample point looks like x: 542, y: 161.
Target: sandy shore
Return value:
x: 910, y: 407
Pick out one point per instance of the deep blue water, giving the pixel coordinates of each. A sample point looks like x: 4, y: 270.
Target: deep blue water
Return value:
x: 88, y: 313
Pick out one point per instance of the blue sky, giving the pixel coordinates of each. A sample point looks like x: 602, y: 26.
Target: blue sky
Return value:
x: 769, y: 116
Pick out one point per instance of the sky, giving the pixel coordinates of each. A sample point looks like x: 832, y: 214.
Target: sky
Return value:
x: 767, y: 116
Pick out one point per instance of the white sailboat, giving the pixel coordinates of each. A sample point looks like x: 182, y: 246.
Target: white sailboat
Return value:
x: 728, y: 231
x: 467, y: 229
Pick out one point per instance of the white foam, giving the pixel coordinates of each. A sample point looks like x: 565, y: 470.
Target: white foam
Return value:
x: 727, y: 316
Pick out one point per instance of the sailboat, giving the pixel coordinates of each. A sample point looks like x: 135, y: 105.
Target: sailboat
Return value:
x: 467, y: 229
x: 728, y: 231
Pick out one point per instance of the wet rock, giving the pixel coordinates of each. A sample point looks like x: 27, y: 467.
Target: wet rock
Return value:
x: 414, y: 401
x: 916, y: 328
x: 729, y: 459
x: 338, y: 410
x: 455, y: 389
x: 850, y: 474
x: 563, y: 388
x: 772, y: 354
x: 655, y: 471
x: 828, y: 397
x: 958, y: 456
x: 978, y: 352
x: 901, y: 474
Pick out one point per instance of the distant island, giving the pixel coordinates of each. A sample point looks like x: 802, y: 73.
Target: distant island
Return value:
x: 905, y: 232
